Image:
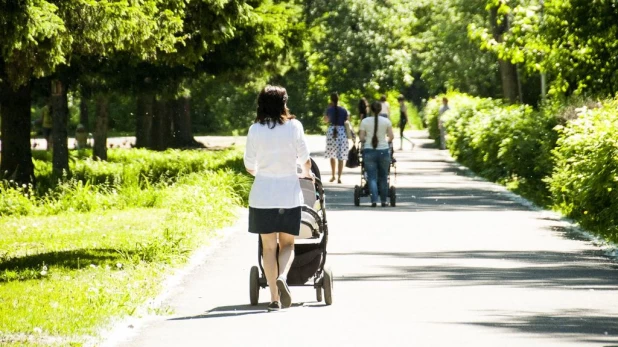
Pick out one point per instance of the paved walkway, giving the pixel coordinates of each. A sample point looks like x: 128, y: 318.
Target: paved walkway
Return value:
x: 458, y: 262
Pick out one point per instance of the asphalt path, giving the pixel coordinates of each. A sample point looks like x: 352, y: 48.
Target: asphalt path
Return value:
x: 458, y: 262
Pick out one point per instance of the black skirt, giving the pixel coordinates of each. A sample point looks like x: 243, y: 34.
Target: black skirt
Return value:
x: 271, y: 220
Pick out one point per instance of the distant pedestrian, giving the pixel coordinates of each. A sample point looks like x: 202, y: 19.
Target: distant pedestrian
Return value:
x: 47, y: 126
x: 275, y: 144
x: 336, y: 139
x: 81, y: 137
x: 403, y: 118
x: 363, y: 108
x: 377, y: 153
x: 386, y: 107
x: 443, y: 109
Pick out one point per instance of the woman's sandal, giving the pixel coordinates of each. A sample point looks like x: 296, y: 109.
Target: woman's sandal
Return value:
x: 284, y: 292
x: 332, y: 179
x: 274, y: 306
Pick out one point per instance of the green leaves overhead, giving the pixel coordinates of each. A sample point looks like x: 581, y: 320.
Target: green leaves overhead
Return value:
x: 360, y: 45
x: 573, y: 41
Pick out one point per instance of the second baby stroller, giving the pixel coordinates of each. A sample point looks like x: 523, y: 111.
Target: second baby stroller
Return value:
x: 309, y: 248
x: 362, y: 190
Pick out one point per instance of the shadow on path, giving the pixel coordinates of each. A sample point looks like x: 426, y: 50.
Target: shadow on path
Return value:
x: 577, y: 271
x: 227, y: 311
x: 567, y: 322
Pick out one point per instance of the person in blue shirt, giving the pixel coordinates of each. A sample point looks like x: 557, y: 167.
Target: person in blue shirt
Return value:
x: 336, y: 138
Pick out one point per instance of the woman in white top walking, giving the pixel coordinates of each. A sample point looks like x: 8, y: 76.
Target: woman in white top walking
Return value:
x: 377, y: 152
x: 275, y: 143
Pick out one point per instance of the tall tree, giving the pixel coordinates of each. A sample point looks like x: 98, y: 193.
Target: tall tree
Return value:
x: 33, y: 43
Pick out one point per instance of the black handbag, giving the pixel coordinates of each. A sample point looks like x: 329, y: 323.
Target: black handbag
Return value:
x: 353, y: 159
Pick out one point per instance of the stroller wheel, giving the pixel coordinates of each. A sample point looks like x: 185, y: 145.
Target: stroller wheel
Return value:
x: 328, y: 286
x: 254, y: 286
x: 392, y: 193
x: 357, y: 193
x: 318, y: 294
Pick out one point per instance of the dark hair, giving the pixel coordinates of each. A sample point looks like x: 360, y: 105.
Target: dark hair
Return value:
x: 383, y: 97
x: 400, y: 98
x: 376, y: 107
x: 334, y: 98
x: 272, y: 108
x: 363, y: 108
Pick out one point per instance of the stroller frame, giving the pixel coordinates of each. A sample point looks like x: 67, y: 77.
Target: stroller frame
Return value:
x: 322, y: 278
x: 362, y: 190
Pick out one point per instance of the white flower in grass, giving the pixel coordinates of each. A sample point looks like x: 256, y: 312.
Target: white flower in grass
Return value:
x: 38, y: 330
x: 119, y: 266
x: 43, y: 273
x: 93, y: 266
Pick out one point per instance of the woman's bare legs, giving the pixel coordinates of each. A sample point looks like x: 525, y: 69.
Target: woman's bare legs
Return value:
x: 286, y: 256
x: 272, y: 268
x: 339, y: 171
x: 332, y: 169
x: 286, y: 253
x: 269, y: 256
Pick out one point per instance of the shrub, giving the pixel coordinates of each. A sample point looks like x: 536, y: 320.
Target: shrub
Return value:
x: 507, y: 144
x: 584, y: 184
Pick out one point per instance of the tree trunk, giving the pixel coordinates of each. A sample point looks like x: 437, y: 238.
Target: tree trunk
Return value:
x: 144, y: 120
x: 83, y: 112
x: 99, y: 150
x: 510, y: 84
x: 161, y: 131
x: 183, y: 133
x: 16, y: 157
x: 508, y: 71
x: 60, y: 118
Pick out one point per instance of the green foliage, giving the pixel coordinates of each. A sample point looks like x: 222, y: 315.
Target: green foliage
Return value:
x: 84, y: 255
x: 131, y: 178
x: 563, y: 154
x: 570, y: 40
x: 507, y: 144
x: 448, y: 59
x: 584, y: 183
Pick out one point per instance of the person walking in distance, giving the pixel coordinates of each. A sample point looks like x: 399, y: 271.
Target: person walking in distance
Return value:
x: 336, y: 139
x: 386, y: 107
x: 377, y: 152
x: 443, y: 109
x: 47, y: 126
x: 403, y: 121
x: 275, y: 144
x: 363, y: 108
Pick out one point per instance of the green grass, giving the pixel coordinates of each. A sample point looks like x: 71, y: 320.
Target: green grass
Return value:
x: 78, y: 257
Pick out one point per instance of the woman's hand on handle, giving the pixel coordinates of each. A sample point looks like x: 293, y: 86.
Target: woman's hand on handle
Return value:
x: 307, y: 171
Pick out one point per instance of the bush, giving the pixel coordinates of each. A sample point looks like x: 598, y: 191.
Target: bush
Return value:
x: 131, y: 178
x: 564, y: 154
x: 507, y: 144
x: 584, y: 184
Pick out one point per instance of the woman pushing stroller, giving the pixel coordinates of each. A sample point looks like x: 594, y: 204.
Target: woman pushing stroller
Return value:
x: 274, y: 144
x: 377, y: 152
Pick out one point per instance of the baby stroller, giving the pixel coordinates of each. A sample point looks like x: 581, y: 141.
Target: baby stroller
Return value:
x: 309, y: 248
x: 363, y: 190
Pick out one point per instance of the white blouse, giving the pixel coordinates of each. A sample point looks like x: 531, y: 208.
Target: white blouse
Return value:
x: 273, y: 154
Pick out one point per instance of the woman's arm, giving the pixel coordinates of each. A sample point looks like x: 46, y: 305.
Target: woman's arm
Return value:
x: 250, y: 154
x: 362, y: 133
x: 389, y: 133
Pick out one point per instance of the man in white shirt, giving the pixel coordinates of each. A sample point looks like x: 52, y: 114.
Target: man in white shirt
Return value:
x: 443, y: 109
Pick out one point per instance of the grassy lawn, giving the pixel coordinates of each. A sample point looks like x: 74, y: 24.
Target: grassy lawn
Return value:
x: 82, y: 254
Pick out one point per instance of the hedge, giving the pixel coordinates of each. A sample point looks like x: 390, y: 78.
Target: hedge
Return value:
x: 561, y: 156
